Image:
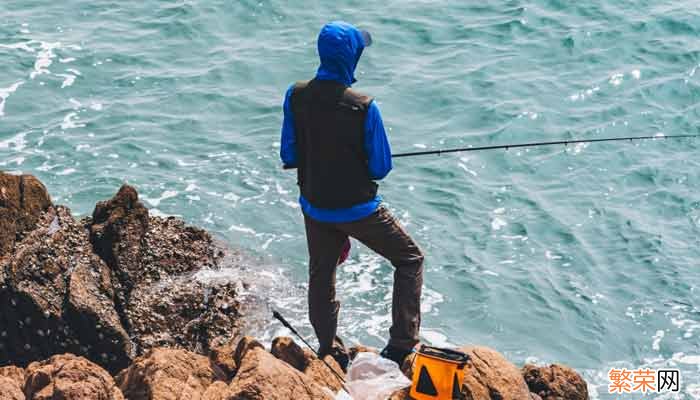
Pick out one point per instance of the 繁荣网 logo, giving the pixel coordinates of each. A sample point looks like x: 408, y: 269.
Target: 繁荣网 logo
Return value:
x: 643, y: 380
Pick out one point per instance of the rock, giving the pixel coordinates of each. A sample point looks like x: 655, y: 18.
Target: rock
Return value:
x: 14, y: 373
x: 140, y: 248
x: 534, y: 396
x: 402, y: 394
x: 69, y: 377
x: 488, y: 375
x: 169, y: 374
x: 354, y: 350
x: 117, y: 232
x: 217, y: 391
x: 261, y: 376
x: 11, y: 383
x: 23, y: 199
x: 57, y: 297
x: 107, y: 288
x: 555, y: 382
x: 222, y: 357
x: 244, y: 345
x: 286, y: 349
x: 91, y: 313
x: 319, y: 372
x: 154, y: 259
x: 10, y: 389
x: 182, y: 312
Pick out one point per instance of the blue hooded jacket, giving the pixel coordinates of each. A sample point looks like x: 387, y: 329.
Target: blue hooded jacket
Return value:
x: 340, y: 46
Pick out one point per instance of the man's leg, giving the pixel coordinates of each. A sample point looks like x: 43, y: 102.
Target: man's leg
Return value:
x: 325, y: 246
x: 382, y: 233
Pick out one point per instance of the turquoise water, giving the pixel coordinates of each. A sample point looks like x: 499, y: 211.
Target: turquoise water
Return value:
x: 585, y: 255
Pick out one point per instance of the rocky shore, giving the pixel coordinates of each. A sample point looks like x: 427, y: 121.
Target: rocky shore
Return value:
x: 107, y: 308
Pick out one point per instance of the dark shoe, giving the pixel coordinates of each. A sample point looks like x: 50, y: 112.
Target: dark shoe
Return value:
x: 395, y: 354
x: 339, y: 353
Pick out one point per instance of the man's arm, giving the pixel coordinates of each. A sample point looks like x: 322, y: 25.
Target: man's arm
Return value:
x: 377, y: 144
x: 288, y: 143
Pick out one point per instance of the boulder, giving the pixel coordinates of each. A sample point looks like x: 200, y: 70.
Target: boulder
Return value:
x: 140, y: 248
x: 107, y: 288
x: 57, y: 297
x: 287, y: 350
x: 261, y: 376
x: 117, y: 232
x: 69, y: 377
x: 23, y: 199
x: 245, y: 344
x: 169, y: 374
x: 154, y: 259
x: 555, y: 382
x: 11, y: 383
x: 489, y: 376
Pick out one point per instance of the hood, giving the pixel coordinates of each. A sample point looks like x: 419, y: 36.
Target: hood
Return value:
x: 340, y: 46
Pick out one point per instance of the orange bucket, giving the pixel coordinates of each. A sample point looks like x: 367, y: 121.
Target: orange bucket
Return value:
x: 438, y: 374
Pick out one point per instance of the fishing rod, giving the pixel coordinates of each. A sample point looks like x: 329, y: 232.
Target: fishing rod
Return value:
x: 289, y: 326
x: 532, y: 144
x: 537, y: 144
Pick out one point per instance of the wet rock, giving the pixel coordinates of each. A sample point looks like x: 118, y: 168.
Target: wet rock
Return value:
x: 140, y: 248
x: 69, y: 377
x: 287, y: 350
x: 555, y: 382
x: 91, y: 313
x: 23, y: 199
x: 117, y: 230
x: 108, y: 287
x: 489, y: 376
x: 11, y: 383
x: 154, y: 260
x: 169, y: 374
x: 261, y: 376
x: 183, y: 312
x: 57, y: 297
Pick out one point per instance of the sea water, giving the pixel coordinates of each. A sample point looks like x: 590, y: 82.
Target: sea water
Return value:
x: 586, y: 255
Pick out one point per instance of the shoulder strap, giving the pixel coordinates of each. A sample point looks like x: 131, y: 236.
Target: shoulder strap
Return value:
x: 355, y: 100
x: 299, y: 86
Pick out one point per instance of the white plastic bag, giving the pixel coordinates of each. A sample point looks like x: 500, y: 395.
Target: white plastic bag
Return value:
x: 372, y: 377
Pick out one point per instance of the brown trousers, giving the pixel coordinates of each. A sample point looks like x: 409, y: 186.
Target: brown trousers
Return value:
x: 382, y: 233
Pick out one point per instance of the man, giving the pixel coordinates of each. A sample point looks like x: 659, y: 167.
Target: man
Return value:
x: 335, y: 138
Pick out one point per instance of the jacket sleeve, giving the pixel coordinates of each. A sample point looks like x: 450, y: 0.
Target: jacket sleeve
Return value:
x: 288, y: 149
x: 377, y: 144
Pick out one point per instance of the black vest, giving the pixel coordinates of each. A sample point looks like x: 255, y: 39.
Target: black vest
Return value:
x: 329, y: 120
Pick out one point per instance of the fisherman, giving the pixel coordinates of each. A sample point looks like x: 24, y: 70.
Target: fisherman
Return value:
x: 335, y: 138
